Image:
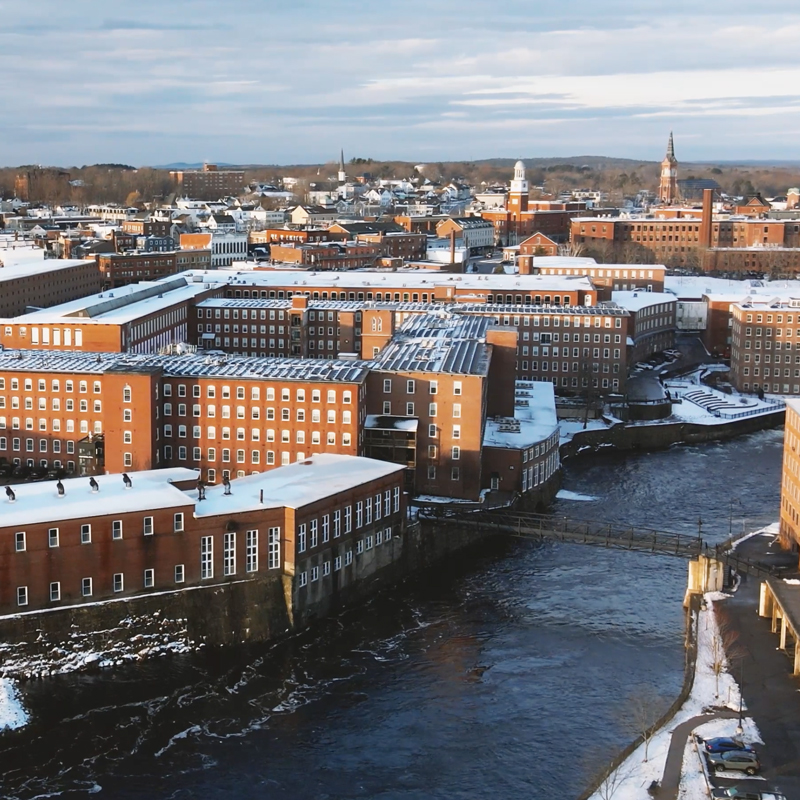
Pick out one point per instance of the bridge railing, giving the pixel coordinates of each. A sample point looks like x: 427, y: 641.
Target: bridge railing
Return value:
x: 529, y: 525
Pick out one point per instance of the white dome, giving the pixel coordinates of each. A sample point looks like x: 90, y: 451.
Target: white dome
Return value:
x: 519, y: 165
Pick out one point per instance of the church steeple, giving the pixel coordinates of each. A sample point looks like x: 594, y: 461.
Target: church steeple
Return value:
x: 668, y: 188
x: 342, y: 173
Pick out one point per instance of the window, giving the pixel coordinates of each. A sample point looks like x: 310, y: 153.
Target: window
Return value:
x: 22, y: 595
x: 119, y: 582
x: 52, y: 537
x: 456, y: 387
x: 86, y: 533
x: 147, y: 526
x: 360, y: 546
x: 55, y: 592
x: 274, y: 545
x: 302, y: 579
x: 116, y: 529
x: 177, y: 522
x: 179, y: 573
x: 86, y: 587
x: 410, y: 387
x: 326, y: 527
x: 206, y: 557
x: 359, y: 514
x: 387, y: 386
x: 337, y: 524
x: 251, y: 551
x: 396, y: 499
x: 229, y: 554
x: 348, y: 519
x: 19, y: 542
x: 457, y: 410
x: 149, y: 578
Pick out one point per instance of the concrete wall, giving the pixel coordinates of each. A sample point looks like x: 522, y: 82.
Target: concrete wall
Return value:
x: 657, y: 436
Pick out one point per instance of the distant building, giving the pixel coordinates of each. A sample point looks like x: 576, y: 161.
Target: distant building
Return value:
x: 210, y: 183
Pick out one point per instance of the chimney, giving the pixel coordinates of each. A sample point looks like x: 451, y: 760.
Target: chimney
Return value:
x: 706, y: 219
x: 452, y: 247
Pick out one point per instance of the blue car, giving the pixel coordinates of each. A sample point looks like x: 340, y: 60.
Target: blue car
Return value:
x: 722, y: 744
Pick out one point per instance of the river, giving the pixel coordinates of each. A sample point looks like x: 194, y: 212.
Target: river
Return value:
x: 501, y: 675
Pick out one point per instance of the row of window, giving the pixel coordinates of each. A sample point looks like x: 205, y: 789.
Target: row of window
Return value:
x: 255, y: 393
x: 308, y: 533
x: 55, y: 385
x: 362, y: 545
x: 54, y: 535
x: 16, y: 444
x: 255, y: 413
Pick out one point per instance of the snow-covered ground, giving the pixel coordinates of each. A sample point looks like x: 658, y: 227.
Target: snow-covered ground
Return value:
x: 12, y: 714
x: 709, y: 691
x: 695, y: 781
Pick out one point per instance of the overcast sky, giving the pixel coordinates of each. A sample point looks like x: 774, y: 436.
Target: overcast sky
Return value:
x: 257, y: 81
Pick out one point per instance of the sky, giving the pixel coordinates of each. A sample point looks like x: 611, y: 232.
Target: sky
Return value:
x: 259, y: 81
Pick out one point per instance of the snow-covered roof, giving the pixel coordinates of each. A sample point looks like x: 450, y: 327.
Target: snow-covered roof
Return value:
x: 186, y: 365
x: 294, y: 486
x: 15, y: 268
x: 248, y: 274
x: 118, y: 306
x: 636, y: 301
x: 39, y: 502
x: 534, y: 418
x: 439, y: 342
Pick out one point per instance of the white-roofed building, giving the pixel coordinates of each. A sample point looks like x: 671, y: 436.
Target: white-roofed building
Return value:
x: 320, y: 526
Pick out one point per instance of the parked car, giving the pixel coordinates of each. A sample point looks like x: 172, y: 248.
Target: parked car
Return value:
x: 723, y: 743
x: 737, y: 760
x: 735, y: 793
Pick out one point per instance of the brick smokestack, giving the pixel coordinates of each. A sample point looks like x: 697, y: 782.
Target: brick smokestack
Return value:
x: 705, y: 224
x: 452, y: 247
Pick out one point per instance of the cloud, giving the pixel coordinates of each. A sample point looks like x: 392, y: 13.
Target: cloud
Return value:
x: 401, y: 78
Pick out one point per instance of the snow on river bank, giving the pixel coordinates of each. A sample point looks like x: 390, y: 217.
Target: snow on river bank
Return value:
x: 12, y: 714
x: 710, y: 691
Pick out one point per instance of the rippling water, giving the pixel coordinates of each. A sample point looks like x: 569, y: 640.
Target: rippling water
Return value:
x: 500, y: 675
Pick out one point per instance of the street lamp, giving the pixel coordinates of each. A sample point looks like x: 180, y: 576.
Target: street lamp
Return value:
x: 740, y: 726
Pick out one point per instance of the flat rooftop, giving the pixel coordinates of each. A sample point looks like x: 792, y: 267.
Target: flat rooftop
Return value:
x: 188, y: 365
x: 248, y: 274
x: 294, y: 486
x: 16, y: 267
x: 118, y: 306
x: 534, y: 418
x: 636, y: 301
x: 39, y: 502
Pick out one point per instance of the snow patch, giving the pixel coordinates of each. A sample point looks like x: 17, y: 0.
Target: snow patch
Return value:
x: 565, y: 494
x: 12, y: 714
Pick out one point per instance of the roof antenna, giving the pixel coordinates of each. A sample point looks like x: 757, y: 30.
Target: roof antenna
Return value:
x: 10, y: 495
x: 127, y: 481
x: 226, y: 482
x: 94, y: 485
x: 60, y: 489
x: 201, y: 491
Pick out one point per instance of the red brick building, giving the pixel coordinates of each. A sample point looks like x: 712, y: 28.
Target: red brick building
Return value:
x: 318, y: 525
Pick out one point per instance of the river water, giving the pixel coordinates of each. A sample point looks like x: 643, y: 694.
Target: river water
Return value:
x: 499, y: 676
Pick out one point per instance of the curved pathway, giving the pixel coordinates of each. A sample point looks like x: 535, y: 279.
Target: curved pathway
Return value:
x: 673, y: 769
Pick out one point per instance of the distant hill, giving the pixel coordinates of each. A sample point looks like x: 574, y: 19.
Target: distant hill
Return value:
x: 593, y: 162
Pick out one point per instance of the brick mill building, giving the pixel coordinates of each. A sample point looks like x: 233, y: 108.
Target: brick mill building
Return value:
x: 319, y: 526
x: 765, y: 345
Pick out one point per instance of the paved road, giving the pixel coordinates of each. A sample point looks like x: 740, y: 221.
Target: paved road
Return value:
x: 770, y: 692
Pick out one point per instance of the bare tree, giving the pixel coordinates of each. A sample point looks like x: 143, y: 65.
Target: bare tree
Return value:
x: 641, y: 713
x: 725, y: 646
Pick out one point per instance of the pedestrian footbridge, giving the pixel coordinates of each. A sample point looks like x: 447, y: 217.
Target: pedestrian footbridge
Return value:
x: 710, y: 566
